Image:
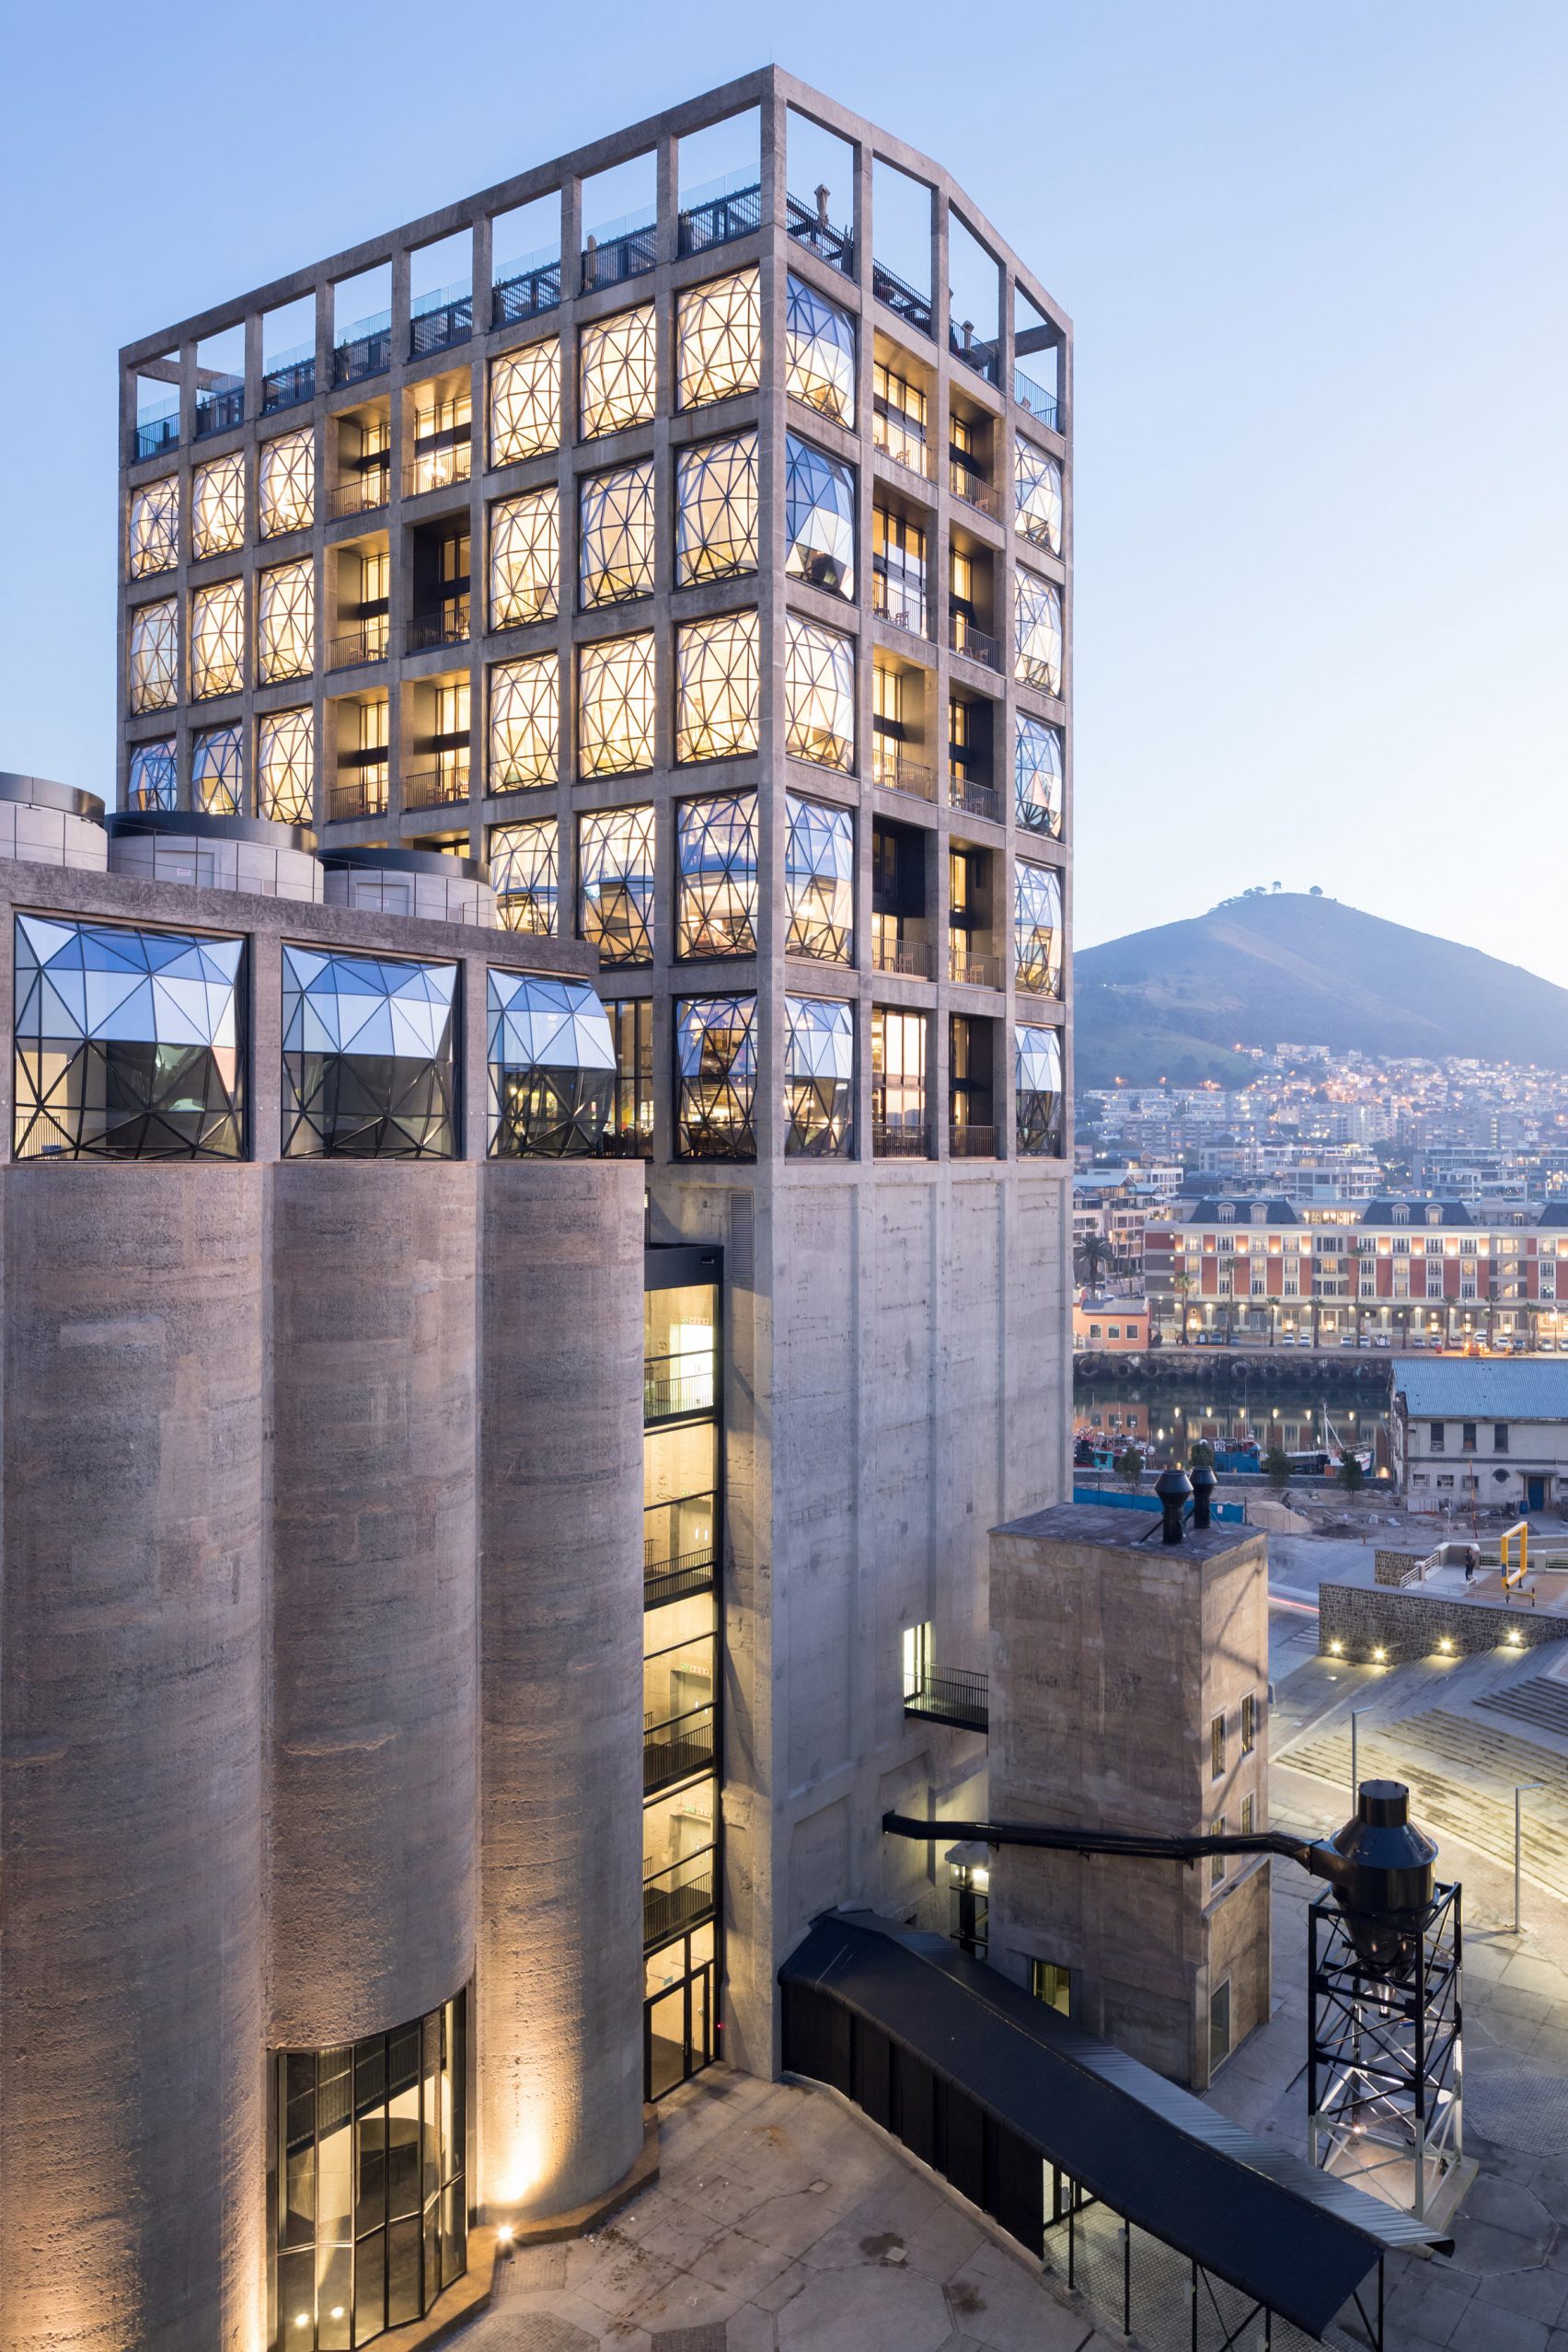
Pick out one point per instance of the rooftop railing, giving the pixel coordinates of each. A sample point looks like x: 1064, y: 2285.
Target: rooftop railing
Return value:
x: 1034, y: 399
x: 154, y: 435
x: 721, y: 212
x: 622, y: 249
x: 677, y: 1896
x: 905, y: 300
x: 220, y: 405
x: 972, y: 642
x: 290, y: 380
x: 982, y: 357
x: 960, y: 1698
x: 366, y: 350
x: 674, y: 1750
x: 440, y: 319
x: 809, y: 225
x: 525, y: 289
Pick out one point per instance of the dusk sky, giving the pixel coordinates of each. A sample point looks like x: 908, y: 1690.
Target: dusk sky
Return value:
x: 1314, y: 256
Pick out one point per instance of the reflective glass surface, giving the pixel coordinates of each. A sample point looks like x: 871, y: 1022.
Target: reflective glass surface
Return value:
x: 715, y: 891
x: 819, y: 694
x: 819, y: 880
x: 819, y: 1077
x: 552, y: 1066
x: 1037, y: 617
x: 217, y: 772
x: 819, y: 518
x: 615, y: 706
x: 618, y: 373
x: 155, y: 656
x: 1037, y: 928
x: 285, y: 766
x: 819, y: 351
x: 717, y: 339
x: 1037, y: 774
x: 524, y: 723
x: 1037, y: 1063
x: 716, y: 510
x: 716, y: 1076
x: 526, y: 403
x: 524, y: 861
x: 368, y: 1057
x: 615, y: 867
x: 717, y: 687
x: 154, y: 528
x: 615, y: 542
x: 151, y: 784
x: 1037, y: 496
x: 285, y: 483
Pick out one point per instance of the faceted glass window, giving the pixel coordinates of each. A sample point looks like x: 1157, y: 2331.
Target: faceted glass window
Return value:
x: 128, y: 1044
x: 715, y: 1077
x: 717, y: 687
x: 526, y: 876
x: 614, y: 707
x: 615, y: 542
x: 819, y: 694
x: 819, y: 351
x: 1037, y: 621
x: 1037, y: 774
x: 716, y: 511
x: 618, y: 371
x: 368, y: 1057
x: 285, y: 766
x: 1037, y: 496
x: 217, y: 506
x: 155, y: 657
x: 154, y: 528
x: 524, y: 559
x: 716, y: 882
x: 152, y: 781
x: 1037, y: 1060
x: 285, y: 622
x: 719, y: 340
x: 615, y: 883
x: 552, y: 1068
x: 819, y: 1078
x: 524, y: 417
x: 819, y: 518
x: 819, y: 880
x: 217, y: 772
x: 1037, y: 928
x: 217, y: 639
x: 285, y: 483
x: 524, y: 723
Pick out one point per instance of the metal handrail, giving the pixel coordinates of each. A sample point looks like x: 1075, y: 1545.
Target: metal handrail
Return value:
x: 901, y: 1142
x: 365, y: 356
x: 974, y: 489
x: 956, y: 1695
x: 667, y: 1908
x: 217, y: 411
x: 810, y: 228
x: 362, y: 493
x: 720, y: 219
x: 680, y: 1574
x: 908, y: 958
x: 968, y: 1140
x: 367, y: 796
x: 972, y: 642
x: 905, y: 300
x: 443, y: 324
x: 435, y: 788
x: 368, y: 642
x: 667, y: 1394
x: 438, y: 629
x: 974, y: 799
x: 628, y: 256
x: 671, y: 1754
x: 901, y: 608
x: 896, y: 774
x: 526, y: 295
x: 974, y: 971
x: 438, y: 467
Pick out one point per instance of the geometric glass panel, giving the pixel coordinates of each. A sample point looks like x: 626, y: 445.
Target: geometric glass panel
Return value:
x: 819, y: 880
x: 719, y: 340
x: 1038, y: 1090
x: 716, y: 1076
x: 526, y: 403
x: 716, y: 855
x: 615, y: 883
x: 217, y: 639
x: 285, y: 622
x: 524, y: 559
x: 217, y: 507
x: 524, y: 865
x: 717, y: 687
x: 155, y: 528
x: 819, y: 351
x: 552, y: 1066
x: 819, y: 694
x: 217, y: 772
x: 618, y: 363
x: 1037, y: 616
x: 285, y: 766
x: 368, y: 1057
x: 152, y: 779
x: 285, y: 483
x: 615, y: 706
x: 524, y: 723
x: 155, y: 656
x: 1037, y: 928
x: 1037, y: 774
x: 616, y: 541
x: 1037, y: 496
x: 127, y: 1043
x: 819, y: 518
x: 716, y: 511
x: 819, y: 1078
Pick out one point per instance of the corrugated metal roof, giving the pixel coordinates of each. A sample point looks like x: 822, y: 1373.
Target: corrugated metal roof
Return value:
x: 1482, y: 1388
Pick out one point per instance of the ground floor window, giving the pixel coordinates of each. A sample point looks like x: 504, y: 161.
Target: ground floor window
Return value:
x: 1219, y: 2025
x: 677, y: 2011
x: 1050, y: 1982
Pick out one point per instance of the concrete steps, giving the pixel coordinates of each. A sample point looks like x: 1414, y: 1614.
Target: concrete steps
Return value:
x: 1543, y: 1701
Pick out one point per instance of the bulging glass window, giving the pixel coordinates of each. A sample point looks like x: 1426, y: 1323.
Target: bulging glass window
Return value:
x: 1037, y: 774
x: 524, y: 389
x: 217, y: 506
x: 618, y: 373
x: 615, y: 706
x: 285, y: 766
x: 524, y: 559
x: 715, y: 1077
x: 717, y: 687
x: 1037, y: 1061
x: 372, y: 2202
x: 819, y: 694
x: 285, y: 622
x: 819, y: 1078
x: 819, y: 880
x: 716, y: 888
x: 368, y: 1057
x: 819, y: 518
x: 615, y: 539
x: 525, y: 747
x: 154, y: 543
x: 719, y: 339
x: 1037, y: 643
x: 217, y: 772
x: 285, y: 483
x: 552, y: 1068
x: 152, y: 783
x: 525, y: 862
x: 128, y: 1044
x: 155, y: 656
x: 615, y: 883
x: 217, y: 639
x: 1037, y: 928
x: 1037, y: 496
x: 819, y: 351
x: 716, y: 511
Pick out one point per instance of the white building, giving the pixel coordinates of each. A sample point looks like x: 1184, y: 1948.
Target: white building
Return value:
x: 1466, y: 1429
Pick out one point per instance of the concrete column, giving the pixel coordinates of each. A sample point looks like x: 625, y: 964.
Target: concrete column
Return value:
x: 131, y: 1799
x: 560, y: 1976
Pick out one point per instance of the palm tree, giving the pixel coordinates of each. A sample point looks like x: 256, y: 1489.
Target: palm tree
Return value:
x: 1182, y: 1284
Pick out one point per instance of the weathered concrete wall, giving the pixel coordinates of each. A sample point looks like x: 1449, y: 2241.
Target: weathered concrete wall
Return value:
x: 1407, y: 1624
x: 131, y: 1803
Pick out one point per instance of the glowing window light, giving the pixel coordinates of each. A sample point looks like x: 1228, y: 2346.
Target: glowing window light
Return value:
x: 285, y: 483
x: 155, y: 656
x: 285, y: 766
x: 716, y: 861
x: 617, y: 374
x: 153, y: 543
x: 524, y: 403
x: 819, y: 694
x: 285, y: 622
x: 716, y: 511
x: 616, y: 535
x: 719, y: 339
x: 525, y: 738
x: 217, y: 639
x: 217, y: 506
x: 717, y: 687
x: 819, y: 351
x: 525, y: 576
x: 615, y: 706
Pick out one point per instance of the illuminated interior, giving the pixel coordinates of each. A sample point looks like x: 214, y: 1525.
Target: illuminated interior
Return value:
x: 217, y: 639
x: 615, y: 706
x: 717, y: 687
x: 153, y: 543
x: 285, y: 483
x: 217, y: 506
x: 525, y: 864
x: 525, y: 397
x: 285, y: 622
x: 716, y: 881
x: 616, y: 535
x: 217, y: 772
x: 819, y: 351
x: 717, y: 340
x: 615, y: 886
x: 285, y: 766
x: 155, y: 656
x: 525, y: 583
x: 524, y: 715
x: 819, y: 694
x: 618, y: 373
x: 716, y: 510
x: 716, y: 1080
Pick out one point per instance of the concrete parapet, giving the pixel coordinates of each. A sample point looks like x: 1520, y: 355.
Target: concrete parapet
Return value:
x: 1386, y: 1625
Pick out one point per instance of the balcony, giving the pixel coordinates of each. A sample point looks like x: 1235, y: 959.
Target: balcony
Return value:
x: 974, y: 799
x: 625, y: 249
x: 674, y: 1750
x: 909, y: 958
x: 959, y: 1698
x: 900, y: 1139
x: 677, y: 1896
x: 367, y: 641
x: 718, y: 214
x: 981, y: 357
x: 968, y: 1140
x: 441, y: 461
x: 220, y: 406
x: 448, y: 626
x: 896, y: 771
x: 674, y: 1386
x: 440, y: 321
x: 1034, y: 399
x: 292, y: 381
x: 362, y: 493
x: 154, y: 435
x: 899, y: 601
x: 527, y: 291
x: 437, y: 788
x: 971, y: 969
x: 973, y: 644
x: 358, y: 794
x: 367, y: 350
x: 894, y: 435
x: 809, y: 225
x: 973, y: 489
x: 914, y: 308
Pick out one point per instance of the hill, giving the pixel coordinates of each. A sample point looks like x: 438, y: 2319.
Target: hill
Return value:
x: 1171, y: 1002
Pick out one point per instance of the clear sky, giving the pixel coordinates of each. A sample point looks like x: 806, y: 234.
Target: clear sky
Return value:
x: 1315, y: 258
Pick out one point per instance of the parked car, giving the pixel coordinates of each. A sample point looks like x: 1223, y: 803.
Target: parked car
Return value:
x: 1382, y: 1340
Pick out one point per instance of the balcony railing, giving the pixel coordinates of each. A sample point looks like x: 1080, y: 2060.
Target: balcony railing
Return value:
x: 809, y: 225
x: 286, y: 385
x: 362, y: 493
x: 910, y: 959
x: 440, y: 321
x: 896, y: 771
x: 973, y: 489
x: 435, y: 788
x: 974, y: 799
x: 973, y: 970
x: 527, y: 291
x: 901, y: 1139
x: 676, y: 1385
x: 359, y: 795
x: 981, y: 357
x: 627, y: 252
x: 913, y: 307
x: 972, y: 642
x: 718, y: 218
x: 960, y: 1698
x: 367, y: 641
x: 677, y: 1896
x: 1034, y: 397
x: 674, y: 1750
x: 899, y: 440
x: 968, y: 1140
x: 900, y: 603
x: 675, y: 1578
x: 438, y: 464
x: 367, y: 351
x: 154, y: 435
x: 449, y: 627
x: 219, y: 406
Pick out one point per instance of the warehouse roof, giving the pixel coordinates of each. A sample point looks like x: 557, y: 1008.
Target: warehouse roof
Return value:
x: 1483, y: 1388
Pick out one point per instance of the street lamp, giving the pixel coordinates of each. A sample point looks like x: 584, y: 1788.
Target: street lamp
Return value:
x: 1520, y: 1789
x: 1355, y: 1714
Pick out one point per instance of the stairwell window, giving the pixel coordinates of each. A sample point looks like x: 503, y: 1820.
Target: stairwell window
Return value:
x: 919, y: 1647
x: 1217, y: 1749
x: 1249, y: 1724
